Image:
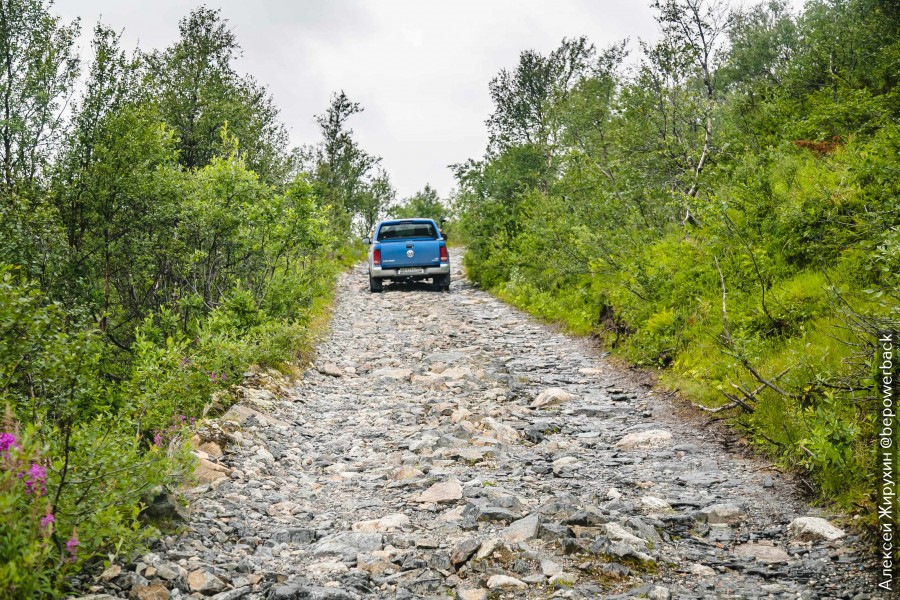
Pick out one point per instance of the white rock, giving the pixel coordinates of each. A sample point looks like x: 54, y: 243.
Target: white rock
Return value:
x: 331, y: 369
x: 447, y: 491
x: 504, y: 581
x: 724, y: 514
x: 374, y: 565
x: 701, y: 570
x: 456, y: 373
x: 645, y: 439
x: 486, y: 548
x: 552, y: 397
x: 563, y: 579
x: 386, y: 524
x: 550, y: 568
x: 763, y: 552
x: 566, y: 463
x: 613, y: 494
x: 395, y: 374
x: 204, y: 582
x: 617, y: 533
x: 501, y: 431
x: 813, y: 529
x: 659, y: 593
x: 166, y: 572
x: 326, y: 568
x: 406, y: 473
x: 590, y: 371
x: 259, y: 398
x: 524, y: 529
x: 653, y: 504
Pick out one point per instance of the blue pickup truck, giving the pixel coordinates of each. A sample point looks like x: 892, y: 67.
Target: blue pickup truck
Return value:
x: 408, y: 250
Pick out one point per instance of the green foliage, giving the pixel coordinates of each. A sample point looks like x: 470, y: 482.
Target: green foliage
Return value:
x: 345, y: 176
x: 98, y: 466
x: 30, y: 561
x: 425, y: 204
x: 199, y: 95
x: 40, y: 67
x: 153, y: 246
x: 751, y: 154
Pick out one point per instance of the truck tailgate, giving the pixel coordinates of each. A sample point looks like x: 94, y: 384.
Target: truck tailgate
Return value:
x: 401, y: 254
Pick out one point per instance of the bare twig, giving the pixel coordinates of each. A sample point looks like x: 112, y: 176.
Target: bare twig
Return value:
x: 718, y: 409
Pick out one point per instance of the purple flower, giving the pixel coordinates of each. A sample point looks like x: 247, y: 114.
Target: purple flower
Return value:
x: 223, y: 376
x: 7, y: 441
x: 48, y: 520
x: 37, y: 476
x: 72, y: 545
x: 37, y: 473
x: 213, y: 377
x: 157, y: 439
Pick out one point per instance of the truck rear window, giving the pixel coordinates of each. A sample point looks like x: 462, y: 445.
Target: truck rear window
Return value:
x: 405, y: 231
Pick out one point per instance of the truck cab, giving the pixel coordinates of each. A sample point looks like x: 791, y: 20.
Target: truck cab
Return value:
x: 408, y: 250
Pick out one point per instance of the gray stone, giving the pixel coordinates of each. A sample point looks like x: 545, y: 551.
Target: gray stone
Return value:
x: 723, y: 514
x: 201, y: 580
x: 448, y: 491
x: 524, y: 529
x: 505, y: 582
x: 813, y: 529
x: 765, y: 553
x: 330, y: 477
x: 463, y: 552
x: 645, y: 439
x: 348, y: 544
x: 552, y: 397
x: 331, y: 369
x: 659, y: 592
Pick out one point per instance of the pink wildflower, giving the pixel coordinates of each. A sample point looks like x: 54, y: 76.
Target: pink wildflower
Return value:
x: 47, y: 521
x: 72, y: 545
x: 37, y: 476
x: 7, y: 441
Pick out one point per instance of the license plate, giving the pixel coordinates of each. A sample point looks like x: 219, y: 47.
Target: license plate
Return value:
x: 410, y: 271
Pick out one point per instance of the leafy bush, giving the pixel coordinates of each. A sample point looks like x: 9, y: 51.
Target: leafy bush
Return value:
x: 148, y: 257
x: 625, y: 203
x: 31, y: 560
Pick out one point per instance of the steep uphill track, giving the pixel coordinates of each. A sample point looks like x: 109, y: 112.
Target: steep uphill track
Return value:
x: 448, y: 444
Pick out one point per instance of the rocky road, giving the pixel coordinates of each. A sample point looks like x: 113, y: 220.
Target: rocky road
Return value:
x: 446, y: 445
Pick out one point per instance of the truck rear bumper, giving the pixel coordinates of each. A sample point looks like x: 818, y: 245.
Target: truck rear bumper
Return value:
x: 422, y: 273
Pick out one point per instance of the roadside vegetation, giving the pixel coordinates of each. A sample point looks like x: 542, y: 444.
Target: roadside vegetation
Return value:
x: 721, y: 205
x: 157, y: 237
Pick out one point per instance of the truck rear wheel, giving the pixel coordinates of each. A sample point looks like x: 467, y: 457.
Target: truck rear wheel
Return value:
x: 443, y: 282
x: 375, y: 285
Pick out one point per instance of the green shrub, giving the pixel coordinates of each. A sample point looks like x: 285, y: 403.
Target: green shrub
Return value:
x: 32, y: 563
x: 774, y: 257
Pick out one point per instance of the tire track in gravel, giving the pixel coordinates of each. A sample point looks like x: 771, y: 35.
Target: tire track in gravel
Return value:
x: 448, y: 445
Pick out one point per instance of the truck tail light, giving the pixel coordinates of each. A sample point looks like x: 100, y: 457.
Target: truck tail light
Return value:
x: 376, y: 256
x: 445, y: 256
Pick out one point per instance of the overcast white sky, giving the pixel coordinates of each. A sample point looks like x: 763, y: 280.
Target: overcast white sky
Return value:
x: 420, y: 68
